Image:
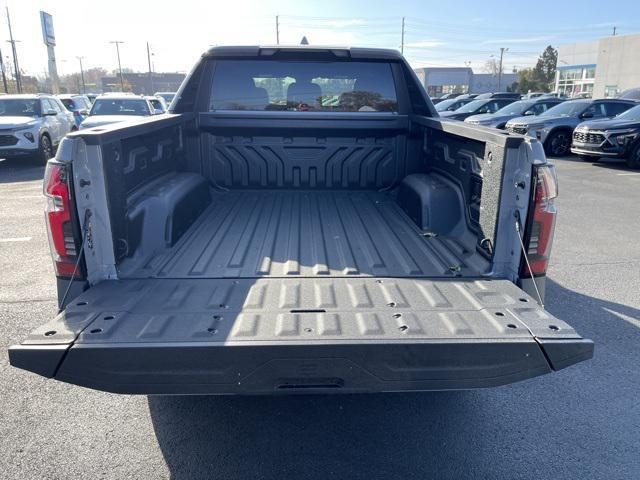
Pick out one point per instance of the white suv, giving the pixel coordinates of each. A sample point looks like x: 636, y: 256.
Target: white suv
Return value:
x: 32, y: 125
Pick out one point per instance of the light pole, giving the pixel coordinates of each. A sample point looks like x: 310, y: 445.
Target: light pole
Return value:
x: 15, y: 55
x: 150, y: 68
x: 118, y: 42
x: 84, y: 87
x: 502, y: 52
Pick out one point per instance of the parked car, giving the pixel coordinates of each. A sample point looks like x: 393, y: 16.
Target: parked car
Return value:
x: 32, y: 125
x: 452, y: 104
x: 271, y: 250
x: 158, y: 104
x: 168, y: 96
x: 513, y: 110
x: 78, y: 105
x: 630, y: 94
x: 465, y: 96
x: 618, y: 137
x: 531, y: 95
x: 477, y: 106
x: 113, y: 108
x: 554, y: 127
x: 512, y: 95
x: 446, y: 96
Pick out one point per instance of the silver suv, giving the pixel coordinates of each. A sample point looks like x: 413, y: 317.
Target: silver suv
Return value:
x: 554, y: 127
x: 32, y: 125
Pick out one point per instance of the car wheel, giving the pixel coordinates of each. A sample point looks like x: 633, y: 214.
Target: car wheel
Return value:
x: 45, y: 151
x: 589, y: 158
x: 633, y: 161
x: 558, y: 144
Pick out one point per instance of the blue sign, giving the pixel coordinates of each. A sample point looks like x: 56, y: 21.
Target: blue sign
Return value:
x: 48, y: 35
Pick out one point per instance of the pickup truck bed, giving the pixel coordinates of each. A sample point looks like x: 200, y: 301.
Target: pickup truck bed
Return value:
x: 273, y: 233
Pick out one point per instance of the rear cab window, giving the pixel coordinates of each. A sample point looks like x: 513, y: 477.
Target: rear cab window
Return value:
x: 303, y: 86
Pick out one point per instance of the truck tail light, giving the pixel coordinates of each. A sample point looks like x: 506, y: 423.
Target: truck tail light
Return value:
x: 60, y: 227
x: 538, y: 235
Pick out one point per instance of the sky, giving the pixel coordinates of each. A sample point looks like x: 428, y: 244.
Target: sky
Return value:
x: 437, y: 33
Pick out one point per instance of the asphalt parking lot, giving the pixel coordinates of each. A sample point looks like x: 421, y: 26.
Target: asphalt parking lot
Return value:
x: 582, y: 422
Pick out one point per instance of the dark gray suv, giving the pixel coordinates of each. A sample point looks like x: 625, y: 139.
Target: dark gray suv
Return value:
x: 554, y: 127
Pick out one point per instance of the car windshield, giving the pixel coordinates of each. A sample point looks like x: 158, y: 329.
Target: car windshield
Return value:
x: 445, y: 104
x: 120, y: 106
x: 566, y: 109
x: 631, y: 115
x: 472, y: 106
x: 18, y: 107
x: 515, y: 108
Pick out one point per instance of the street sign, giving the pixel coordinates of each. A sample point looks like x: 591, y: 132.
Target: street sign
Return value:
x: 48, y: 35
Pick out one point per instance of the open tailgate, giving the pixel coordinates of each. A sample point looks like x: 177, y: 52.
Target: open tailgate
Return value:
x: 167, y: 336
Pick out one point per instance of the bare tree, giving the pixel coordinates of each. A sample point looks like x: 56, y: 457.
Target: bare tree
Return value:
x: 491, y: 66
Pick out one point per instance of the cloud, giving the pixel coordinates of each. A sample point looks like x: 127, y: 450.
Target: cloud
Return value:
x: 519, y: 40
x: 424, y: 44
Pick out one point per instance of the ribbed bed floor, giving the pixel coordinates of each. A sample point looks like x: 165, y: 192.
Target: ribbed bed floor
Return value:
x: 307, y: 233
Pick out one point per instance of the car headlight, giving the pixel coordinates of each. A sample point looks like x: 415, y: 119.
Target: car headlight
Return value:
x: 623, y: 137
x: 536, y: 126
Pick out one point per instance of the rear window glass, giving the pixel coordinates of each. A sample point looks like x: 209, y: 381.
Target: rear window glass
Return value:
x: 108, y: 106
x: 303, y: 86
x: 67, y: 102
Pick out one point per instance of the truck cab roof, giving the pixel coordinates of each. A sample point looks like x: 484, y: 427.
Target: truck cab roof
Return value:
x: 270, y: 50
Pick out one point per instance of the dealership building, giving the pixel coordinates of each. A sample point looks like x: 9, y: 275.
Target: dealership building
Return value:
x: 602, y: 68
x: 440, y: 80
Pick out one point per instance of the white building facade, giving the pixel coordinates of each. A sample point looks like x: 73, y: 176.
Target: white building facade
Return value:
x: 602, y: 68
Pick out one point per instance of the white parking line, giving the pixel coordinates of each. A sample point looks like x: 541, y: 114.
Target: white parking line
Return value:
x: 15, y: 239
x: 627, y: 174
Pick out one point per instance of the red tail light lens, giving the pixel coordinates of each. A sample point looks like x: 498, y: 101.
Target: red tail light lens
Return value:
x: 59, y: 223
x: 542, y: 220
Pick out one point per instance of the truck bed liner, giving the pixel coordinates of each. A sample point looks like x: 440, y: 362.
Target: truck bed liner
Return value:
x: 257, y: 233
x: 300, y: 334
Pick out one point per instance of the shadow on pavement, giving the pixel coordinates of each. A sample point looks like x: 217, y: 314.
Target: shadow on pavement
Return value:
x: 562, y: 425
x: 20, y: 170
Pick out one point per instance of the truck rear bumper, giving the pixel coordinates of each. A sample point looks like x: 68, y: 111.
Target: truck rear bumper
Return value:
x: 250, y: 336
x: 272, y: 369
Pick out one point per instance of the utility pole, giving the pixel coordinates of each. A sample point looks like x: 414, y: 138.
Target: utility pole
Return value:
x: 614, y: 30
x: 4, y: 78
x: 150, y: 69
x: 502, y: 52
x: 118, y: 42
x: 277, y: 30
x: 84, y: 86
x: 15, y: 55
x: 402, y: 40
